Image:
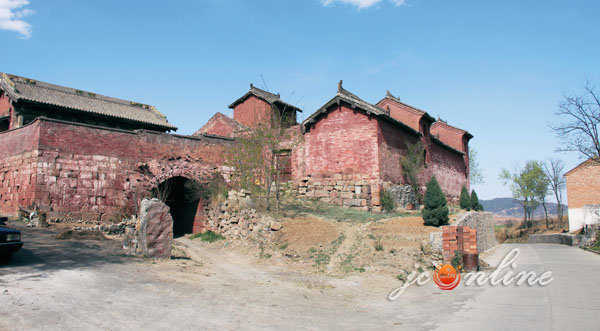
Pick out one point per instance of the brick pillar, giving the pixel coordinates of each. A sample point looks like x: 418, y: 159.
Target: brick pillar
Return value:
x: 458, y: 238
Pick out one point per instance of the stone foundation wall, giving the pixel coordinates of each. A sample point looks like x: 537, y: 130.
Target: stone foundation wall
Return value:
x: 484, y: 224
x: 356, y: 191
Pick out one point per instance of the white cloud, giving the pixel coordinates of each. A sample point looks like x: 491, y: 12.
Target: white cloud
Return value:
x: 361, y: 4
x: 11, y: 12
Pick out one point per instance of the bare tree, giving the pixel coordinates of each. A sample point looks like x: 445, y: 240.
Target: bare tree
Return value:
x: 579, y: 133
x: 475, y: 174
x: 554, y: 169
x: 259, y: 155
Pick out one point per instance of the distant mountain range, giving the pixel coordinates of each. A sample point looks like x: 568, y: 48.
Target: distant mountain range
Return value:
x: 509, y: 207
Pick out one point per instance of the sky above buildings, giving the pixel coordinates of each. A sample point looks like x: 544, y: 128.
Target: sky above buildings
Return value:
x: 496, y: 69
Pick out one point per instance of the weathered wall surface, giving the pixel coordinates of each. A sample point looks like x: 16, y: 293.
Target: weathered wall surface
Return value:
x: 451, y: 136
x: 4, y: 105
x: 402, y: 113
x: 252, y: 111
x: 484, y: 224
x: 18, y: 168
x: 219, y: 125
x: 392, y: 146
x: 89, y: 172
x: 450, y: 170
x: 344, y: 142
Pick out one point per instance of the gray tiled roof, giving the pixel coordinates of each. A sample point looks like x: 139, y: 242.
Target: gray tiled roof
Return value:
x: 266, y: 96
x: 20, y: 88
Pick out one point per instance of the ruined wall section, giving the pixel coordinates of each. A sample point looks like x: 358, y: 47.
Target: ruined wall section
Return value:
x: 97, y: 173
x: 18, y: 168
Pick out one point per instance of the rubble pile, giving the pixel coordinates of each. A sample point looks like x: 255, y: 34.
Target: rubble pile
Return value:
x: 234, y: 218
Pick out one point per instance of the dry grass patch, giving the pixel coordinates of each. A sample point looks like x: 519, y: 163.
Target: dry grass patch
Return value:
x: 305, y: 233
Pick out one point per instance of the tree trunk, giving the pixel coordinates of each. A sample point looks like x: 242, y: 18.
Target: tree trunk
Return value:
x: 546, y: 213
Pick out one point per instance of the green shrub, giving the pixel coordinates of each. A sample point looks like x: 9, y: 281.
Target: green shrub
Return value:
x: 435, y: 212
x: 378, y: 246
x: 457, y: 260
x: 208, y: 236
x: 387, y: 202
x: 465, y: 199
x: 475, y: 205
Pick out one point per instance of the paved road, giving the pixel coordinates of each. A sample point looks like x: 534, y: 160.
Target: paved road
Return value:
x: 570, y: 302
x: 89, y: 285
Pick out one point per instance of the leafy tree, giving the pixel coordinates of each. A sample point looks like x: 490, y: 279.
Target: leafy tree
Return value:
x: 581, y: 132
x: 475, y: 205
x: 435, y: 212
x: 526, y: 184
x: 411, y: 165
x: 465, y: 199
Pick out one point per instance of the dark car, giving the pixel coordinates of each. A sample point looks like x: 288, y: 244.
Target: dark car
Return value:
x: 10, y: 241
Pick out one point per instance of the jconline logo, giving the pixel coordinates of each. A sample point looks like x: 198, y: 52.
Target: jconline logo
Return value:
x: 446, y: 277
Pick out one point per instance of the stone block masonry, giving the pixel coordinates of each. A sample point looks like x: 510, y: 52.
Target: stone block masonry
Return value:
x: 357, y: 191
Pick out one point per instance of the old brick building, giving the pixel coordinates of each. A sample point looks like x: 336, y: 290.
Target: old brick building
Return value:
x: 78, y: 154
x: 350, y: 148
x: 583, y: 192
x: 81, y: 155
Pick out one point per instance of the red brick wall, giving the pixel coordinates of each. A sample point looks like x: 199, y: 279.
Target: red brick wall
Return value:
x: 18, y: 164
x: 345, y: 141
x: 583, y: 185
x: 4, y: 104
x: 88, y: 172
x: 402, y: 113
x: 392, y: 146
x: 454, y: 236
x: 449, y: 169
x: 219, y: 125
x: 252, y: 111
x: 449, y: 135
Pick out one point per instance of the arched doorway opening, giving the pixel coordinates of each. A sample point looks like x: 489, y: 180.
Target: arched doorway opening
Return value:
x: 184, y: 198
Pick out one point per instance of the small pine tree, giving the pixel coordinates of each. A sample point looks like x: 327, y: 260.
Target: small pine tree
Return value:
x: 465, y: 199
x: 435, y: 212
x: 475, y: 205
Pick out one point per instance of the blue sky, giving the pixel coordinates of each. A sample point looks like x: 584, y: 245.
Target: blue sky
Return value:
x: 496, y: 69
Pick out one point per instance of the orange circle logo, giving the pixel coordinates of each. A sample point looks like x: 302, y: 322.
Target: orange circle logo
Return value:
x: 446, y: 277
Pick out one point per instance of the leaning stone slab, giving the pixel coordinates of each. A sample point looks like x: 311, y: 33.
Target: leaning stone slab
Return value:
x: 156, y: 229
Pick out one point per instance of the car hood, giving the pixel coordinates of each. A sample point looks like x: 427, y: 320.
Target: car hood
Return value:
x: 8, y: 230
